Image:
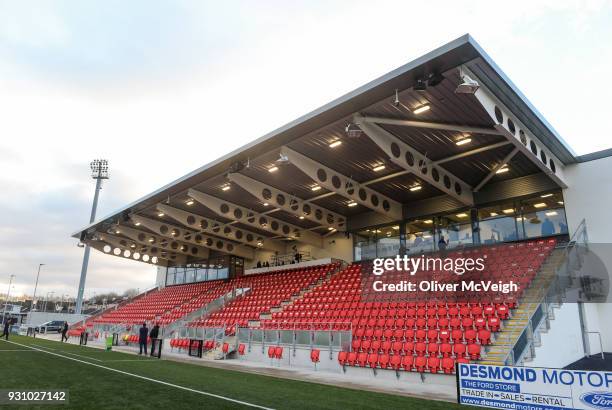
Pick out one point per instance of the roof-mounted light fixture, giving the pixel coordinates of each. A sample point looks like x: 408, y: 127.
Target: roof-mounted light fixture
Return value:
x: 503, y: 170
x: 463, y: 141
x: 468, y: 85
x: 421, y: 109
x: 352, y: 130
x: 420, y: 85
x: 282, y: 160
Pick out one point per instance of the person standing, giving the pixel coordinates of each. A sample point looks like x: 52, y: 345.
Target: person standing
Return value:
x: 442, y: 244
x: 154, y: 335
x: 143, y: 333
x: 64, y: 332
x: 7, y: 325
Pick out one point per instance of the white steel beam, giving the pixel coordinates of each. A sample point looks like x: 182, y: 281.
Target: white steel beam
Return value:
x: 412, y: 160
x: 100, y: 245
x: 212, y: 227
x: 425, y: 124
x: 134, y: 248
x: 202, y: 242
x: 344, y: 186
x: 474, y: 151
x: 495, y: 169
x: 257, y: 220
x: 165, y: 245
x: 518, y: 134
x: 289, y: 203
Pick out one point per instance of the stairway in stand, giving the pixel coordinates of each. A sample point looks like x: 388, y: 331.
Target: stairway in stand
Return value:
x: 514, y: 326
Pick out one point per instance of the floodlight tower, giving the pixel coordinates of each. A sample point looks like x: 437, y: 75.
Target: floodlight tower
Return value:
x: 99, y: 171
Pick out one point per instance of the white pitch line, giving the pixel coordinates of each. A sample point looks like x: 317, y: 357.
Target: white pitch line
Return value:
x: 43, y: 347
x: 15, y: 350
x: 84, y: 357
x: 147, y: 378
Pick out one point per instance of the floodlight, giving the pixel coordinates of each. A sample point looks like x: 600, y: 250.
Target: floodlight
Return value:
x: 468, y: 85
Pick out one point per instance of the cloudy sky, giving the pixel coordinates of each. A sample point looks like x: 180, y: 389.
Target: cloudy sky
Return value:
x: 162, y: 87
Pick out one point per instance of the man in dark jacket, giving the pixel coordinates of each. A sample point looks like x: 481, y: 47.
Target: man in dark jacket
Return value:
x: 154, y: 335
x: 7, y: 324
x: 143, y: 333
x: 64, y: 331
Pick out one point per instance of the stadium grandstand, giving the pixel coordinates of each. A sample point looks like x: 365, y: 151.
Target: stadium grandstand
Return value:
x: 265, y: 256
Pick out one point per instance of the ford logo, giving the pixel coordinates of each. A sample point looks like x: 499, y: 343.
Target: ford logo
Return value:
x: 597, y: 400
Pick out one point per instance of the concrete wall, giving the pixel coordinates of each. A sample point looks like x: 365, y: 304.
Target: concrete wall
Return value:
x: 261, y: 255
x: 336, y: 246
x: 565, y: 336
x: 301, y: 360
x: 589, y: 196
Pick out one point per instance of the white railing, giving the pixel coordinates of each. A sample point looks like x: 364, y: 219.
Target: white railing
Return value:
x: 573, y: 251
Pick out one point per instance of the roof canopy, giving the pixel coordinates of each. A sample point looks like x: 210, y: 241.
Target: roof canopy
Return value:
x: 384, y: 152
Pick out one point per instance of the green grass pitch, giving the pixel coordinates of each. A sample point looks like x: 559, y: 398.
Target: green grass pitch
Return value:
x: 92, y: 387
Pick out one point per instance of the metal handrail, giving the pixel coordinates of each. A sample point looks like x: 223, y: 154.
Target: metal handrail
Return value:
x: 600, y: 343
x: 543, y: 301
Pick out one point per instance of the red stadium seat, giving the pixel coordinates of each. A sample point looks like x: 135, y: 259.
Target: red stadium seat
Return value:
x: 373, y: 360
x: 420, y: 349
x: 484, y: 337
x: 362, y: 358
x: 314, y: 355
x: 395, y: 362
x: 448, y: 365
x: 351, y: 358
x: 420, y: 362
x: 459, y: 350
x: 474, y: 351
x: 342, y: 358
x: 433, y: 364
x: 241, y: 348
x: 408, y: 363
x: 494, y: 324
x: 446, y: 349
x: 470, y: 336
x: 383, y: 361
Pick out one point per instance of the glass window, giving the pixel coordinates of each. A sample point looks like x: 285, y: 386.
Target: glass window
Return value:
x: 190, y: 275
x: 498, y: 223
x: 455, y: 229
x: 170, y: 276
x: 365, y: 245
x: 543, y: 215
x: 420, y: 236
x: 180, y: 276
x: 388, y: 243
x: 201, y: 273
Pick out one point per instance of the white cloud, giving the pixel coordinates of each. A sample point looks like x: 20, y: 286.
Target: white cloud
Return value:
x: 162, y: 88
